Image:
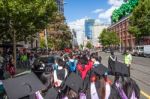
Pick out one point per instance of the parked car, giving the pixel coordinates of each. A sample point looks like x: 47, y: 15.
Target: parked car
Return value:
x: 107, y: 51
x: 44, y: 62
x: 147, y: 50
x: 138, y: 51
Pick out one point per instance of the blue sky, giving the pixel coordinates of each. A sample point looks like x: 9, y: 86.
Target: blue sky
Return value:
x: 78, y: 9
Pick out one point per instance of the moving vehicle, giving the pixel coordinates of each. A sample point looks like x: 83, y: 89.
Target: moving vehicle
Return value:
x: 147, y: 50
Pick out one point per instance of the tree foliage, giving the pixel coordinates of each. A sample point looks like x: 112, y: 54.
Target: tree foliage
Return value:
x: 124, y: 10
x: 108, y: 38
x: 42, y: 43
x: 89, y: 45
x: 140, y: 20
x: 59, y: 32
x: 81, y: 46
x: 24, y: 17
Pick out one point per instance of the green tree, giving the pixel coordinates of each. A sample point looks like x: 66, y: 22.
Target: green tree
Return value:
x: 59, y: 33
x: 108, y: 38
x: 21, y: 18
x: 42, y: 43
x: 89, y: 45
x: 124, y: 10
x: 81, y: 46
x: 140, y: 20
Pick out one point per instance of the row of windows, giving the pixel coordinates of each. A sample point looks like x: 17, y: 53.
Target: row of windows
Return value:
x: 60, y: 5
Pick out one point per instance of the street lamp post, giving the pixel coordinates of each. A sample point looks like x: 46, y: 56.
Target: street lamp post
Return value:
x: 120, y: 45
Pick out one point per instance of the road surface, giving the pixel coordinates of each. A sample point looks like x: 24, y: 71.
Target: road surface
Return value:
x: 140, y: 71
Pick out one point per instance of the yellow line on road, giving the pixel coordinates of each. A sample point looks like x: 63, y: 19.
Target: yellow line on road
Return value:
x: 145, y: 94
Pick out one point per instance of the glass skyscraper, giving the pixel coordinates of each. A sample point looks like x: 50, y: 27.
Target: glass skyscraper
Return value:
x: 89, y: 28
x: 60, y: 4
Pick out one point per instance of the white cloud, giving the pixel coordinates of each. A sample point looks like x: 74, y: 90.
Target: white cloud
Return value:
x: 78, y: 26
x: 105, y: 16
x: 97, y: 11
x: 115, y: 2
x: 97, y: 21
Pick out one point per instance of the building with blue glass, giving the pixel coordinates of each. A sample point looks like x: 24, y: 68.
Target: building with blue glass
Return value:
x: 60, y: 5
x: 89, y: 23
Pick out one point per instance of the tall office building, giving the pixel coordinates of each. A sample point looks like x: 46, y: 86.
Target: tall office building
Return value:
x: 60, y: 4
x: 89, y: 23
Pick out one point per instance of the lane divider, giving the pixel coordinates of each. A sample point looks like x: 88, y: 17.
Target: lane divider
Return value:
x: 145, y: 94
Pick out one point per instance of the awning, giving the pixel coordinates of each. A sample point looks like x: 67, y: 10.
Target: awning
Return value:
x: 10, y: 45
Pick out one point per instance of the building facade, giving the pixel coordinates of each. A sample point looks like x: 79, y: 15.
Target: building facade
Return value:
x: 74, y: 39
x: 127, y: 41
x: 89, y: 23
x: 60, y: 5
x: 97, y: 30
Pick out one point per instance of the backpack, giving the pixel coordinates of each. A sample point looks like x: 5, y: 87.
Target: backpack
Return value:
x: 72, y: 66
x: 12, y: 70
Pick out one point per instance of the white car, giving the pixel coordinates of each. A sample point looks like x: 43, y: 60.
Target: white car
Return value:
x: 138, y: 51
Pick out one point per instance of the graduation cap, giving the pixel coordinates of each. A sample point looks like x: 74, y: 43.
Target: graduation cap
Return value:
x: 74, y: 81
x: 22, y: 86
x: 51, y: 94
x: 121, y: 68
x: 100, y: 70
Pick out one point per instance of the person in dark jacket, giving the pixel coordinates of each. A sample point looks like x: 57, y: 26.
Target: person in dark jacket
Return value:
x: 60, y: 74
x: 111, y: 63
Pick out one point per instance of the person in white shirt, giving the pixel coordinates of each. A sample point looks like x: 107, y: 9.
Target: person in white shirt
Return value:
x: 60, y: 74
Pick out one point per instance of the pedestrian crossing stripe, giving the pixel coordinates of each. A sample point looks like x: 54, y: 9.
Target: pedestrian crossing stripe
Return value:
x: 145, y: 94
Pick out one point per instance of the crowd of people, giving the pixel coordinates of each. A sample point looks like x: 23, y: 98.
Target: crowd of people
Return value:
x: 93, y: 75
x: 81, y: 75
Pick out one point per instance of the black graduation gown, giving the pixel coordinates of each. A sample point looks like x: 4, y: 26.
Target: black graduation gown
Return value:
x: 61, y: 74
x: 114, y: 93
x: 111, y: 64
x: 131, y: 86
x: 97, y: 85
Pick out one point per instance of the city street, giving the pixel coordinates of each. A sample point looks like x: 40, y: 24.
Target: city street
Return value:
x: 140, y: 72
x: 51, y: 49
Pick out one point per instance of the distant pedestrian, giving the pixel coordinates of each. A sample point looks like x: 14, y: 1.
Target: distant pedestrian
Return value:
x: 95, y: 60
x: 99, y: 57
x: 111, y: 62
x: 128, y: 60
x: 24, y: 60
x: 11, y: 68
x: 1, y: 67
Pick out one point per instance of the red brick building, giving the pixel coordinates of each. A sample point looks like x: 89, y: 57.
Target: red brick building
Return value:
x: 121, y: 28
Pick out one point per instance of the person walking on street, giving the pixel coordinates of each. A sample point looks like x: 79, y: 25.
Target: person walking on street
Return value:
x: 128, y: 60
x: 11, y: 68
x: 1, y: 67
x: 111, y: 63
